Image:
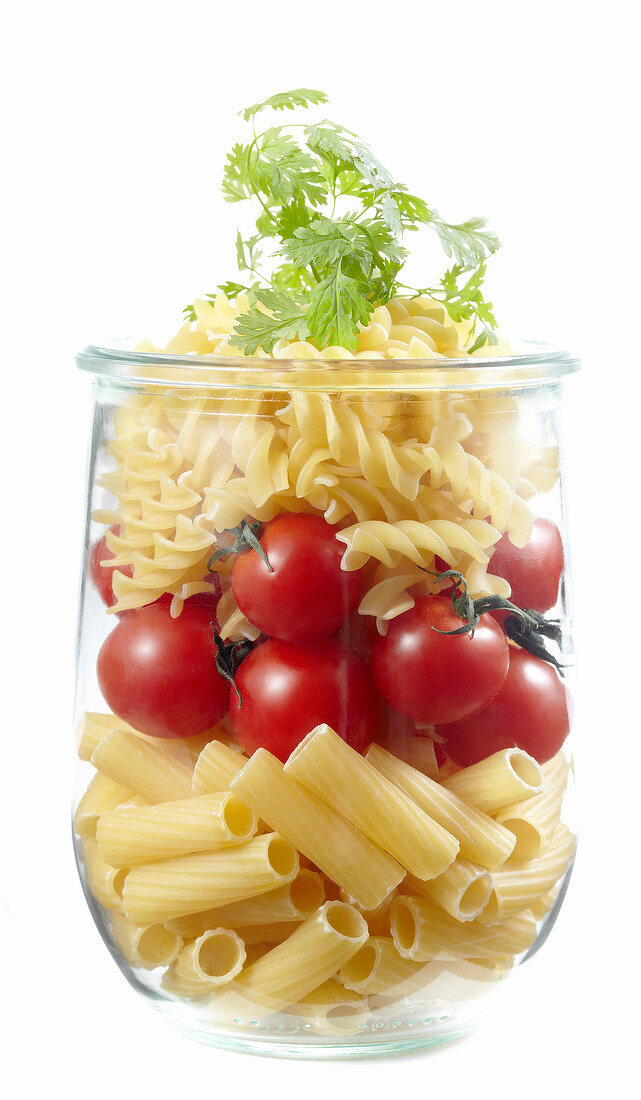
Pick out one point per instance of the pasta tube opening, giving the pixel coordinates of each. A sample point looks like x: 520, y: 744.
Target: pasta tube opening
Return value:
x: 306, y: 892
x: 475, y: 897
x: 118, y: 881
x: 526, y: 769
x: 528, y: 839
x: 359, y: 969
x: 281, y: 856
x: 157, y: 946
x: 218, y: 953
x: 345, y: 920
x: 239, y: 819
x: 404, y: 927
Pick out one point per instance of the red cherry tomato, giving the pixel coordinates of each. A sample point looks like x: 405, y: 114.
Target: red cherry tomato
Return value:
x: 102, y: 575
x: 533, y: 572
x: 531, y: 711
x: 160, y: 674
x: 307, y: 596
x: 289, y: 689
x: 434, y: 677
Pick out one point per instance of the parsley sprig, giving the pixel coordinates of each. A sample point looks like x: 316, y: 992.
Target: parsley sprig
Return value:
x: 327, y: 247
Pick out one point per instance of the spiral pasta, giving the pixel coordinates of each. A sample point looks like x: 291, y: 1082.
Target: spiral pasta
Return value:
x: 408, y: 476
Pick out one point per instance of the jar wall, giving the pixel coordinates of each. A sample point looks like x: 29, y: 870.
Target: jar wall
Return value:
x: 282, y: 906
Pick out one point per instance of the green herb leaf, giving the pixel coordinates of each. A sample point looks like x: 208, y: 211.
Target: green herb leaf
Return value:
x: 299, y: 97
x: 232, y: 290
x: 341, y: 148
x: 236, y: 185
x: 281, y: 171
x: 337, y: 305
x: 324, y: 242
x: 330, y: 220
x: 468, y: 243
x: 257, y: 329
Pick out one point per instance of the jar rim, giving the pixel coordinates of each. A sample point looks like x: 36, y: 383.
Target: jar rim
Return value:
x: 531, y: 363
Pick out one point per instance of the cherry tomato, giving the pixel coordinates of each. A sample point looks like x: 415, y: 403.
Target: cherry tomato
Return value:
x: 102, y: 575
x: 533, y: 572
x: 289, y: 689
x: 160, y: 674
x: 531, y: 711
x: 434, y: 677
x: 307, y: 595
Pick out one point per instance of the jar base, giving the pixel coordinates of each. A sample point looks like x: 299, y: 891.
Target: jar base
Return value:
x: 400, y: 1034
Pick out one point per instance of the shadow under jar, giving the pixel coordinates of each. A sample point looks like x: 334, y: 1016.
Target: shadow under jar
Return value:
x: 308, y: 821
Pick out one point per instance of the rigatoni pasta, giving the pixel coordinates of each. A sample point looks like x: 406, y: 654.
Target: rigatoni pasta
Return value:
x: 311, y: 955
x: 331, y: 1009
x: 323, y: 763
x: 160, y: 771
x: 462, y: 890
x: 378, y: 968
x: 332, y: 843
x: 106, y: 883
x: 101, y: 795
x: 533, y: 820
x: 215, y: 768
x: 213, y: 960
x: 168, y: 888
x: 499, y: 780
x: 481, y: 839
x: 131, y: 835
x: 523, y: 885
x: 145, y: 947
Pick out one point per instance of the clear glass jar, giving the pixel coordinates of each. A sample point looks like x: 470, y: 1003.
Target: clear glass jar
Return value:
x: 344, y: 850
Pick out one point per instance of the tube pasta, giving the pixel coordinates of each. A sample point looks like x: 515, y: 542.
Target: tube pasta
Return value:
x: 101, y: 795
x: 471, y: 939
x: 334, y: 845
x: 211, y: 961
x: 533, y: 820
x: 481, y: 839
x: 90, y: 730
x: 520, y: 887
x: 160, y: 772
x: 216, y: 767
x: 462, y: 890
x: 292, y: 902
x: 145, y: 947
x: 542, y: 906
x: 326, y: 765
x: 378, y: 920
x: 378, y: 968
x: 269, y: 934
x: 105, y: 882
x: 332, y: 1009
x: 498, y: 780
x: 157, y: 892
x: 311, y: 955
x: 132, y: 835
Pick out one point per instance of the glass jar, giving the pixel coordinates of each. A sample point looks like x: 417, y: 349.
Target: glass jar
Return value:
x: 307, y: 823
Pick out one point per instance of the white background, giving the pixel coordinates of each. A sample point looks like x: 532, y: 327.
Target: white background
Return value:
x: 119, y: 115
